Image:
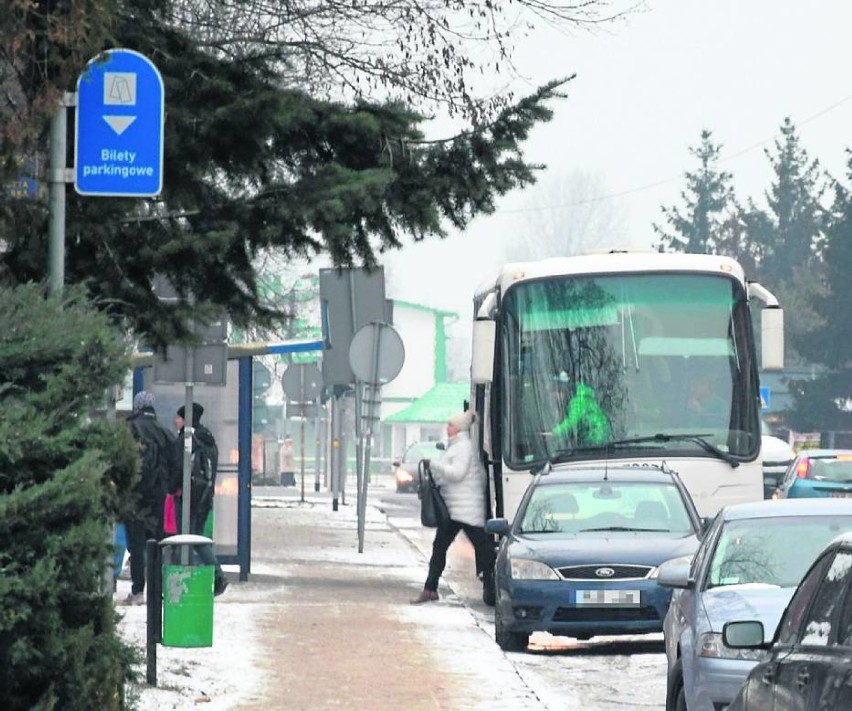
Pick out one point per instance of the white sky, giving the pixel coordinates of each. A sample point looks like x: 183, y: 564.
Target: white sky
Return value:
x: 645, y: 89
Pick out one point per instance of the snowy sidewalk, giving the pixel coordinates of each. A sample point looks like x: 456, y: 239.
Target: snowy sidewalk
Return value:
x: 321, y: 626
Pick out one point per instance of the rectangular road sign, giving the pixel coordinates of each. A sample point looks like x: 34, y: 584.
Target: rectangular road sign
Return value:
x: 118, y: 149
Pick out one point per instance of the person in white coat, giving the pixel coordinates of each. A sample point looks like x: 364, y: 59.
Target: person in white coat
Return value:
x: 461, y: 477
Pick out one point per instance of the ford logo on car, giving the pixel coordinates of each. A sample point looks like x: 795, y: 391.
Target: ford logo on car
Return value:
x: 604, y: 572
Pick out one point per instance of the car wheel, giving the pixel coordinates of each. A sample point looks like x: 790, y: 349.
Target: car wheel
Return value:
x: 509, y: 641
x: 675, y: 693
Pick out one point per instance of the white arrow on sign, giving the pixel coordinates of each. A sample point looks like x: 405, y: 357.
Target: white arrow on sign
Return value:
x: 119, y: 124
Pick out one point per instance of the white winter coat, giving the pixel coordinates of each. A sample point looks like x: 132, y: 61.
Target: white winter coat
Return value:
x: 461, y: 477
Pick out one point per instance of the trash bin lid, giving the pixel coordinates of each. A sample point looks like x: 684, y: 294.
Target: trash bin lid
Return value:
x: 185, y: 539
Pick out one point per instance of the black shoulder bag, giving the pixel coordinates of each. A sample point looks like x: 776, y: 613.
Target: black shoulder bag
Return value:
x: 433, y: 508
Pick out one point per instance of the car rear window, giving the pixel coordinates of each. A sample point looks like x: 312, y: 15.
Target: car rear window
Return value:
x: 772, y: 551
x: 591, y: 507
x: 837, y: 468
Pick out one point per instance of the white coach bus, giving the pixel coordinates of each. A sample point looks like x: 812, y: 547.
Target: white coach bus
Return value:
x: 661, y: 344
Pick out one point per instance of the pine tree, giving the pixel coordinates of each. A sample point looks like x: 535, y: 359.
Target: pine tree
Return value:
x: 708, y: 199
x: 824, y: 403
x: 251, y: 166
x: 61, y: 481
x: 790, y: 234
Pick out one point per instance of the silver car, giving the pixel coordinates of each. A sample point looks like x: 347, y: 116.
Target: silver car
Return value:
x: 747, y: 567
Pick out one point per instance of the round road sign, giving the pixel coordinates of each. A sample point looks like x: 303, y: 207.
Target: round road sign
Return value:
x: 376, y: 353
x: 302, y: 382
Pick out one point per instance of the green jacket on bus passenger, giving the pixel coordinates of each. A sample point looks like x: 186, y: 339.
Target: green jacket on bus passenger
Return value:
x: 585, y: 418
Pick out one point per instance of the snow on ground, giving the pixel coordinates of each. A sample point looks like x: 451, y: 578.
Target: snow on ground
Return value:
x: 217, y: 677
x: 556, y: 674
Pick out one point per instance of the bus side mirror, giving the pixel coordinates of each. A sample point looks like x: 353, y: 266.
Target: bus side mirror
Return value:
x: 482, y: 355
x: 772, y: 338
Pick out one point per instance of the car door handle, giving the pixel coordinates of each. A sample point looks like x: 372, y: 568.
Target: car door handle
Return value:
x: 803, y: 678
x: 768, y: 676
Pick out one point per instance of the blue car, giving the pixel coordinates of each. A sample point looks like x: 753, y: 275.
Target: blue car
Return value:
x: 818, y: 473
x: 580, y: 559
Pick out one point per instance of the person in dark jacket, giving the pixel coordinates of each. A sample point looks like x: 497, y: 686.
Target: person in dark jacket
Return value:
x: 156, y: 451
x: 205, y: 464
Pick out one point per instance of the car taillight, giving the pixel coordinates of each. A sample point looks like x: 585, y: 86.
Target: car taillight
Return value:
x: 803, y: 469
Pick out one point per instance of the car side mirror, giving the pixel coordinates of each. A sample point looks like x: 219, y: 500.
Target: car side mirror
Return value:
x: 743, y: 635
x: 497, y: 526
x: 396, y: 462
x: 441, y: 446
x: 674, y: 574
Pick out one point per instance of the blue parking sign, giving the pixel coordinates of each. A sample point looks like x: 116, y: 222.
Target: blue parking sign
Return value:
x: 764, y: 397
x: 118, y: 149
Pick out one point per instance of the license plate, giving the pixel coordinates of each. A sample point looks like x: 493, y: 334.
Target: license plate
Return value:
x: 841, y: 494
x: 624, y: 598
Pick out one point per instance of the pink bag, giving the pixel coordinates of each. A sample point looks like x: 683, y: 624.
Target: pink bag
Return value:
x: 169, y: 515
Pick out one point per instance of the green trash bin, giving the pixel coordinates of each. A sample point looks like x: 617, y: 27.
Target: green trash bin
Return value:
x: 187, y: 595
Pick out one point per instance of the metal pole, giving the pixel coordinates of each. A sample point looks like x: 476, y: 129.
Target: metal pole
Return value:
x: 359, y: 469
x: 326, y: 446
x: 302, y: 406
x: 334, y: 453
x: 318, y: 447
x: 360, y: 475
x: 56, y: 214
x: 244, y: 468
x: 371, y: 415
x: 343, y: 463
x: 154, y: 623
x: 302, y: 451
x: 188, y: 431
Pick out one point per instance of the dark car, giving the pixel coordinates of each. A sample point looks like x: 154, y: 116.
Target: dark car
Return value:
x: 405, y: 468
x: 809, y: 661
x: 818, y: 473
x: 580, y: 558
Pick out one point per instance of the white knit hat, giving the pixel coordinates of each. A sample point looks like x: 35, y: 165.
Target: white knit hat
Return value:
x: 462, y: 420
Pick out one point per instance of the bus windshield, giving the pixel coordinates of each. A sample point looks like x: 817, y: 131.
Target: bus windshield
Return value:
x: 591, y: 360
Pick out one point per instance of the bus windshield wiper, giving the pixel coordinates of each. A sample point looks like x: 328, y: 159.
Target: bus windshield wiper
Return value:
x: 564, y: 454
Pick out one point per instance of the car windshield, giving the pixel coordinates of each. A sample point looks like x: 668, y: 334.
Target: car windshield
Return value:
x: 834, y: 468
x: 425, y: 450
x: 772, y: 551
x: 592, y: 507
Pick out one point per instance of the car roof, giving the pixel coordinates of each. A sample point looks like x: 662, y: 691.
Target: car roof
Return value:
x: 787, y: 507
x: 844, y: 539
x: 619, y: 473
x: 823, y: 452
x: 415, y: 447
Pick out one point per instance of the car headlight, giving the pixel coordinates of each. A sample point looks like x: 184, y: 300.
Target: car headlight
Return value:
x: 523, y: 569
x: 710, y: 645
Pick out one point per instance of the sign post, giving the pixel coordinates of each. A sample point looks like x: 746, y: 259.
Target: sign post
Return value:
x: 376, y: 355
x: 302, y: 383
x: 118, y: 147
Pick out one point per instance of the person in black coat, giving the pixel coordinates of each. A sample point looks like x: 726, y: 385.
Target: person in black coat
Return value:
x: 156, y: 451
x: 205, y: 463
